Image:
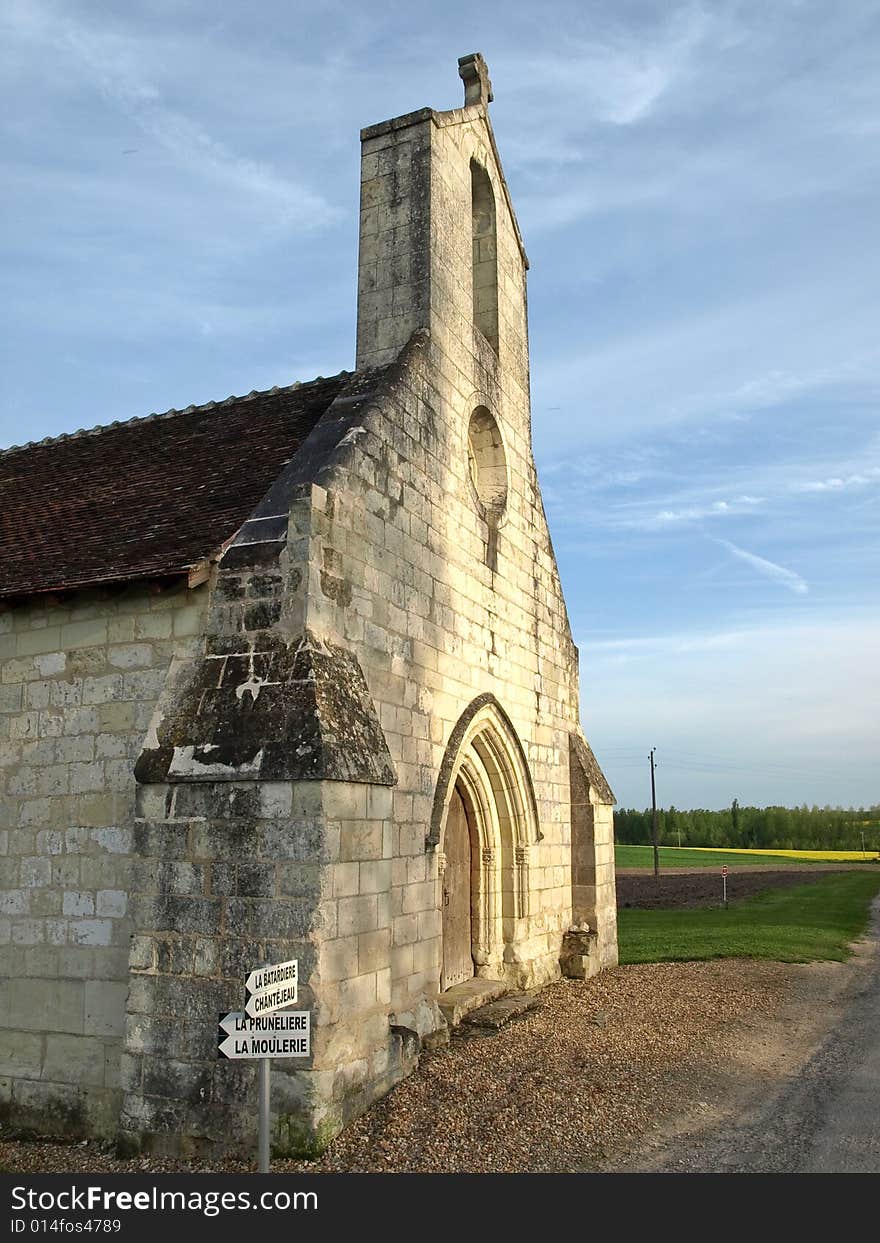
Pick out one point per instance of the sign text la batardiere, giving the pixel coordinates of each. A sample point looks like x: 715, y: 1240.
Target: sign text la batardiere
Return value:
x: 271, y: 988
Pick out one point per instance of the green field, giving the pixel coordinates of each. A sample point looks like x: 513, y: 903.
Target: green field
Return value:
x: 688, y: 857
x: 803, y: 924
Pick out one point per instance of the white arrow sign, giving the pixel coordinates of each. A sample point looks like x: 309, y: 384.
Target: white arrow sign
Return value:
x: 267, y: 977
x: 276, y: 998
x: 271, y: 988
x: 276, y: 1035
x: 283, y: 1021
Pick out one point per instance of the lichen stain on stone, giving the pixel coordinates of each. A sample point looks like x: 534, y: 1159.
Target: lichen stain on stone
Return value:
x: 336, y: 589
x: 291, y: 712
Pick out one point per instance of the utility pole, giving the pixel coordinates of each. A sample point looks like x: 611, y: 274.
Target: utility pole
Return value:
x: 654, y: 815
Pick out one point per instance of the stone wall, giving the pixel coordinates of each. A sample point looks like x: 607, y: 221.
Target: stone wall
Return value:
x: 435, y: 628
x: 444, y: 615
x: 230, y: 876
x: 78, y: 683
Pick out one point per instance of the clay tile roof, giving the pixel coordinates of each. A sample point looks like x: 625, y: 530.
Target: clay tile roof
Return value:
x: 149, y: 497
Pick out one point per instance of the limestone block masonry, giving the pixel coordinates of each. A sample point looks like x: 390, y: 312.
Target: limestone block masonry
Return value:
x: 78, y: 683
x: 385, y: 634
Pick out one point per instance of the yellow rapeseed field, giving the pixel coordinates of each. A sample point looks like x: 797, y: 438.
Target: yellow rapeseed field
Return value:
x: 815, y: 856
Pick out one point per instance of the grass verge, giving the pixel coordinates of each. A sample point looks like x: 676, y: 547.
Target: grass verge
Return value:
x: 712, y: 857
x: 808, y: 923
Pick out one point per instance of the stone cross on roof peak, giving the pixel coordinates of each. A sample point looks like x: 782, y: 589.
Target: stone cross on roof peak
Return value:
x: 474, y: 72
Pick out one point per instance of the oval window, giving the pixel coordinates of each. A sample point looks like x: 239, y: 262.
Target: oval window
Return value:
x: 488, y: 465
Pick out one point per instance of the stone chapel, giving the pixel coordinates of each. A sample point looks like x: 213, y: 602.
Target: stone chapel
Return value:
x: 290, y: 675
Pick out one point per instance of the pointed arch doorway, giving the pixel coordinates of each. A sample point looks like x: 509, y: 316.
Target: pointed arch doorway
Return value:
x: 458, y: 959
x: 483, y: 825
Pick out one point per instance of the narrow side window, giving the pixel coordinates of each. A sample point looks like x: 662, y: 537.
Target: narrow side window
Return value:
x: 485, y: 258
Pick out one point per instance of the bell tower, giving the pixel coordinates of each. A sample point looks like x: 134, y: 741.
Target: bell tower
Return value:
x: 440, y: 248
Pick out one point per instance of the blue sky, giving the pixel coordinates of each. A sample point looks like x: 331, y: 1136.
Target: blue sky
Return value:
x: 697, y: 185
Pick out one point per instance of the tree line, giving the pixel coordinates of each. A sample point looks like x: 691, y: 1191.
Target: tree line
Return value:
x: 762, y: 828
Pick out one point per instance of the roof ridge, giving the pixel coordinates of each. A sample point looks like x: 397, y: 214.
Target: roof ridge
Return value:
x: 81, y: 433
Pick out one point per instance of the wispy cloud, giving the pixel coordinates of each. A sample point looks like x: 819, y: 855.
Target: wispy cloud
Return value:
x: 110, y: 63
x: 695, y: 513
x: 838, y: 483
x: 775, y: 387
x: 619, y: 78
x: 778, y: 573
x: 673, y: 643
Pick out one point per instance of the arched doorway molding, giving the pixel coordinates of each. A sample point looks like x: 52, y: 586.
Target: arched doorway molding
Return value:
x: 485, y: 761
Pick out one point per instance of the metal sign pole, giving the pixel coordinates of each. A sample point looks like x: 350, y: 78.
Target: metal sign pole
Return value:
x: 265, y: 1094
x: 265, y: 1029
x: 263, y: 1122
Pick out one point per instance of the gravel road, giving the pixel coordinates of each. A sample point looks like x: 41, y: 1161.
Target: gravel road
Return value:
x: 821, y: 1117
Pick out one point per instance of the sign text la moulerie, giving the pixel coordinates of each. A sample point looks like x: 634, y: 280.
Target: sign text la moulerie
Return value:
x: 274, y: 1035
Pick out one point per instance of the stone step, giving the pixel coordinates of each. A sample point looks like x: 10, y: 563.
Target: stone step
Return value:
x: 497, y: 1014
x: 461, y: 999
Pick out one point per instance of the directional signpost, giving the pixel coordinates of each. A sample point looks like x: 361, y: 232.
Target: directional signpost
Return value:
x: 277, y: 1035
x: 265, y: 1030
x: 271, y: 988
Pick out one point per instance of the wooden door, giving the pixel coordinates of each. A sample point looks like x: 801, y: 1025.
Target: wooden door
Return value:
x: 458, y: 964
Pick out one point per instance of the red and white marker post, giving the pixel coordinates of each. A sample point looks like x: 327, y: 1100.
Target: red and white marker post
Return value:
x: 724, y: 871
